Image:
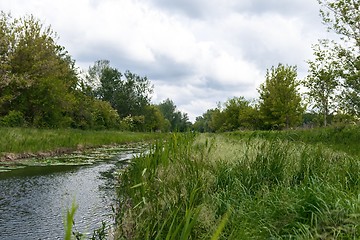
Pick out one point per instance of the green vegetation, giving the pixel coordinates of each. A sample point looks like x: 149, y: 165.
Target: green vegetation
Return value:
x: 262, y: 185
x: 30, y: 140
x: 21, y: 147
x: 302, y: 184
x: 280, y: 102
x: 343, y: 138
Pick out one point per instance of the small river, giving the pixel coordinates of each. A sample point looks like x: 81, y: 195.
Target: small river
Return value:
x: 34, y: 200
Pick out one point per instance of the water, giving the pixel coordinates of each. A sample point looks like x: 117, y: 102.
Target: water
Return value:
x: 34, y: 200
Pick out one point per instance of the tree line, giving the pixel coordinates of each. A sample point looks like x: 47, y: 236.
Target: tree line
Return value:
x: 41, y: 87
x: 332, y: 85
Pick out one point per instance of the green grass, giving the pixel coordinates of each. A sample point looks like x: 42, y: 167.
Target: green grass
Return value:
x: 30, y: 140
x: 344, y: 138
x: 233, y: 186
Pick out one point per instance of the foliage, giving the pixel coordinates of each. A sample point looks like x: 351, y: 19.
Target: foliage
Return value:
x: 38, y: 77
x: 236, y: 113
x: 129, y: 95
x: 40, y: 86
x: 322, y: 80
x: 69, y: 221
x: 13, y: 119
x: 342, y: 17
x: 178, y: 121
x: 154, y: 120
x: 98, y: 234
x: 280, y: 102
x: 203, y: 123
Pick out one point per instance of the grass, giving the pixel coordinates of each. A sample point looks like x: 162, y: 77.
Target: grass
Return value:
x: 30, y: 140
x: 233, y: 186
x: 339, y: 137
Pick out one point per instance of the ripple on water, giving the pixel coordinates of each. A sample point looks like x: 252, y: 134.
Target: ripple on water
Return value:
x: 33, y: 201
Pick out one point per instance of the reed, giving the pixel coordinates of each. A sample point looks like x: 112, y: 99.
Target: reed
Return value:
x: 239, y: 187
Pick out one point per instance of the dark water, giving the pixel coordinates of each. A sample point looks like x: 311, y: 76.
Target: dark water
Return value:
x: 34, y: 200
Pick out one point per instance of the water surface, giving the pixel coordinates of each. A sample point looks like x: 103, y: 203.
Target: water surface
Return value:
x: 34, y: 200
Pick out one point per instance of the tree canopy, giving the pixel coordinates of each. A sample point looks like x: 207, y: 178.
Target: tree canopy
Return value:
x: 128, y: 93
x: 322, y: 81
x: 280, y: 101
x: 343, y: 17
x: 38, y: 78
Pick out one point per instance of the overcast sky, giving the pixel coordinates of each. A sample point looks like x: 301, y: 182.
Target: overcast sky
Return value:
x: 195, y: 52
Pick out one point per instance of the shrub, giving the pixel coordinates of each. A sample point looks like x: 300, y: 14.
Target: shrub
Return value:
x: 13, y: 119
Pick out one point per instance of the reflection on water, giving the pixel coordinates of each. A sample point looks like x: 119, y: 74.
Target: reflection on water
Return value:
x: 33, y: 200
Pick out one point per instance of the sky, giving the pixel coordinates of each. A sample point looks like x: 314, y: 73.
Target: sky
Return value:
x: 195, y: 52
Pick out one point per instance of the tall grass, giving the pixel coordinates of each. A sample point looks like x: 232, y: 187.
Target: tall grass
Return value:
x: 231, y: 187
x: 25, y: 140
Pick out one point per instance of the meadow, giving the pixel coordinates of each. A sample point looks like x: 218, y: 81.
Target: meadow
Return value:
x: 244, y: 185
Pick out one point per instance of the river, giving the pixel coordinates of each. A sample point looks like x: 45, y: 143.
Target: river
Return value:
x: 34, y: 200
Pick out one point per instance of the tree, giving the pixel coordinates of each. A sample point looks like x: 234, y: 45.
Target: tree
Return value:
x: 249, y: 116
x: 135, y: 94
x: 322, y: 80
x: 104, y: 82
x: 38, y: 77
x: 178, y: 121
x: 203, y: 123
x: 239, y: 113
x: 129, y: 96
x: 343, y: 17
x: 154, y: 120
x: 280, y: 102
x: 217, y: 119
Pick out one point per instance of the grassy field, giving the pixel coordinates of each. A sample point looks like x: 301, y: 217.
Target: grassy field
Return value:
x: 258, y: 185
x: 29, y: 140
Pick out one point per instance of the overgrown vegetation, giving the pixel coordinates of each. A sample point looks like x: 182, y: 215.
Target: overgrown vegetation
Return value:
x: 265, y: 186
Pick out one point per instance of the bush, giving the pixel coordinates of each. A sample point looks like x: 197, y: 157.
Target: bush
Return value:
x: 13, y: 119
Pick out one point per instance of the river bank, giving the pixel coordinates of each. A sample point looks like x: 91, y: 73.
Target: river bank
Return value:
x: 18, y: 145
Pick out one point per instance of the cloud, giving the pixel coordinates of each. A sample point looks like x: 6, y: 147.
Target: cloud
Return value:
x: 196, y: 53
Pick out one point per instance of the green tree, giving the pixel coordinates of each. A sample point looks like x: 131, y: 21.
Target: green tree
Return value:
x: 343, y: 17
x: 239, y: 113
x: 217, y: 119
x: 178, y: 121
x: 322, y: 81
x: 104, y: 80
x: 154, y: 120
x: 136, y: 94
x: 38, y: 77
x: 280, y: 102
x: 203, y: 123
x: 249, y: 116
x: 129, y: 94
